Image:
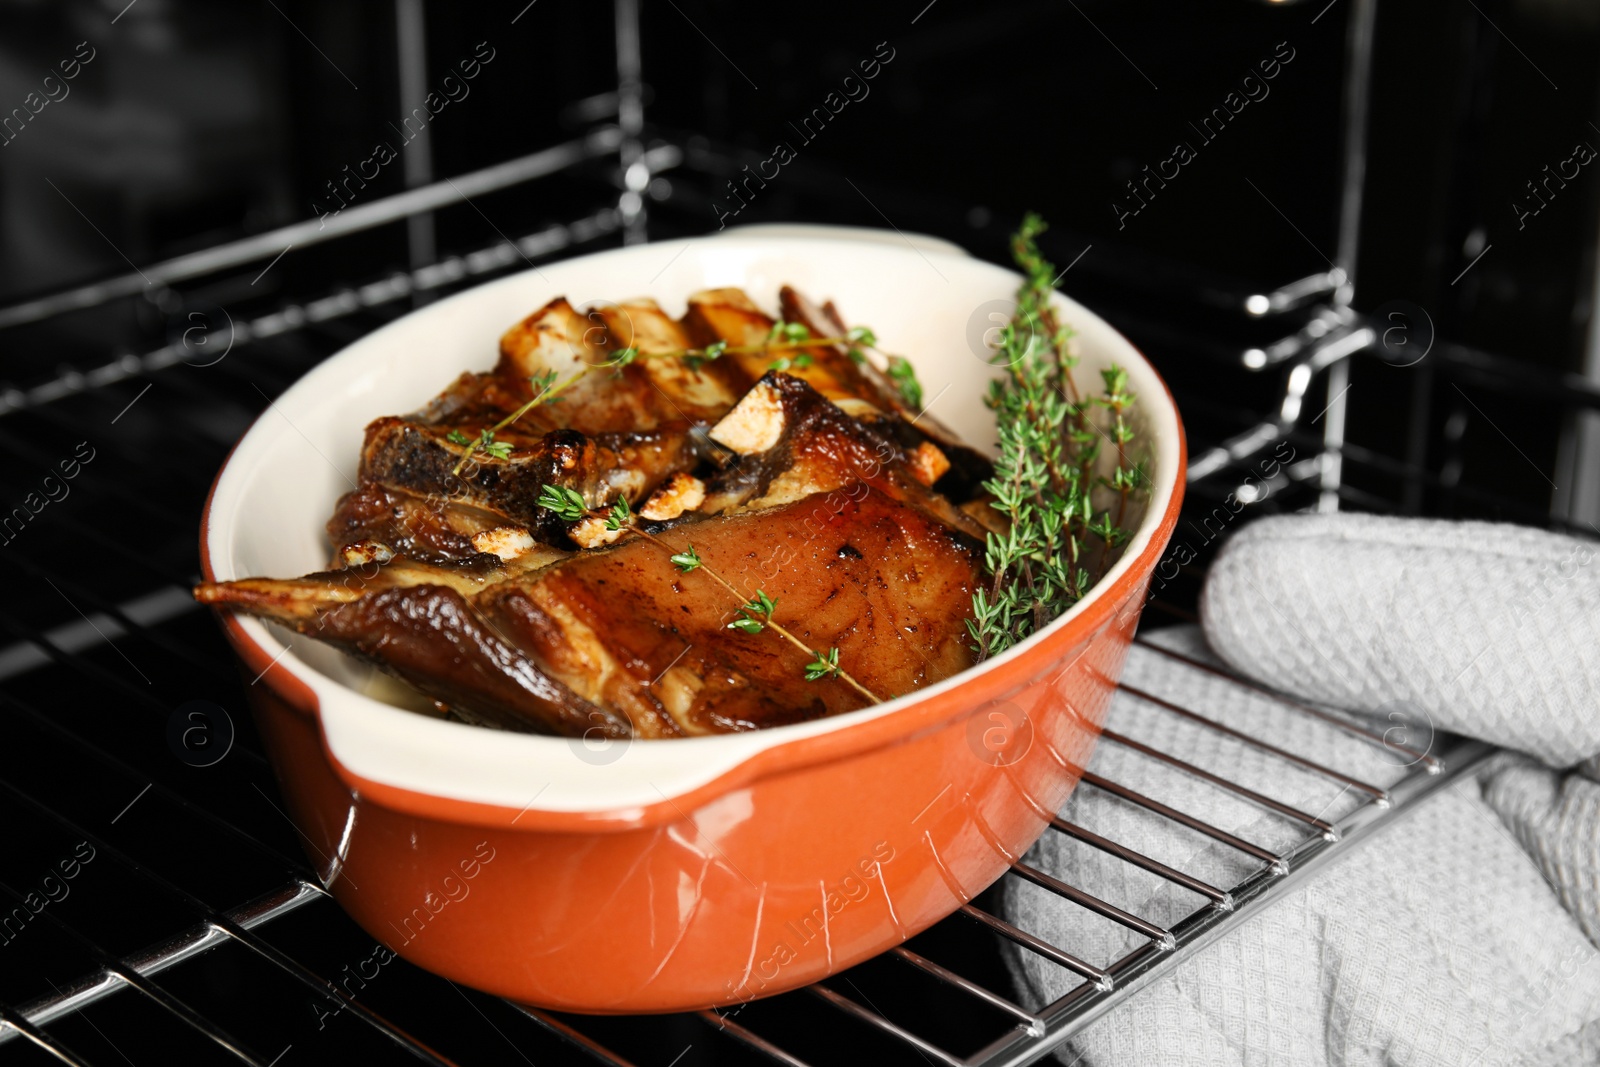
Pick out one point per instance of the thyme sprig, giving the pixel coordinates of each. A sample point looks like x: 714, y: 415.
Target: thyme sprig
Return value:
x: 782, y: 337
x: 755, y: 612
x: 546, y: 390
x: 1044, y: 478
x: 904, y: 377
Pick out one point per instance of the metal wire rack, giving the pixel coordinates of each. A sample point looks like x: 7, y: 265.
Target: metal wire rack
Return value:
x: 40, y: 740
x: 188, y: 866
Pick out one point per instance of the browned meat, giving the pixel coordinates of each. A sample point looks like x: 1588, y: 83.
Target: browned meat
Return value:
x: 416, y: 458
x: 729, y: 315
x: 644, y: 395
x: 967, y: 468
x: 376, y: 521
x: 614, y: 431
x: 618, y: 639
x: 792, y: 443
x: 808, y: 486
x: 417, y: 622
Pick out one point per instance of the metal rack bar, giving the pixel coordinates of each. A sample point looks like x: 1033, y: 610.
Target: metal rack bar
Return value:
x: 123, y: 971
x: 1299, y: 761
x: 294, y: 316
x: 191, y: 942
x: 1349, y: 726
x: 873, y: 1019
x: 971, y: 988
x: 1217, y: 780
x: 152, y: 609
x: 87, y: 666
x: 751, y: 1039
x: 1092, y: 902
x: 82, y: 594
x: 1037, y: 946
x: 1150, y: 804
x: 631, y: 156
x: 315, y: 231
x: 576, y: 1038
x: 11, y: 1019
x: 1140, y: 860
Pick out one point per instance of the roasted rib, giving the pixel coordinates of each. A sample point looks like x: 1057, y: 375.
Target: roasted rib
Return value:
x: 811, y: 487
x: 619, y: 640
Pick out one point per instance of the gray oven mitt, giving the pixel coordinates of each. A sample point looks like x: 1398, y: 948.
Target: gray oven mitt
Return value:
x: 1437, y: 942
x: 1478, y: 628
x: 1490, y: 630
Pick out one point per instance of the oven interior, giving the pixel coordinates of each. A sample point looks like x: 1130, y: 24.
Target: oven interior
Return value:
x: 198, y: 932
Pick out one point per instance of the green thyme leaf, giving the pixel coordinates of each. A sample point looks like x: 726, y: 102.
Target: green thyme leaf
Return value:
x: 904, y: 377
x: 687, y: 560
x: 1050, y: 482
x: 749, y: 626
x: 564, y: 501
x: 823, y: 666
x: 497, y: 449
x: 621, y: 516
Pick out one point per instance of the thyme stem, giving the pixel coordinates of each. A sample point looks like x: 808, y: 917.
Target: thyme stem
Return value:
x: 843, y: 674
x: 543, y: 395
x: 1044, y: 480
x: 568, y: 504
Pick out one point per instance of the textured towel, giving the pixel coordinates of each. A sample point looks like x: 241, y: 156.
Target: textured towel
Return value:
x: 1440, y: 941
x: 1479, y: 628
x: 1492, y: 631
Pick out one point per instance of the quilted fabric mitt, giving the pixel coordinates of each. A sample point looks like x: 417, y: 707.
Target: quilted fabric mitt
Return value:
x: 1436, y: 944
x: 1485, y: 629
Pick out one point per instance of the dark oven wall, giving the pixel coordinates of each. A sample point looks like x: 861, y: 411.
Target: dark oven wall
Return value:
x: 1187, y: 156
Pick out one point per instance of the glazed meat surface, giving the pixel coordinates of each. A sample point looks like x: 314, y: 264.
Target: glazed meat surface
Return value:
x: 808, y: 489
x: 621, y: 640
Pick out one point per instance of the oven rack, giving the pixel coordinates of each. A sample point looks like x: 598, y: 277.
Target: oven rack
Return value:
x: 294, y: 336
x: 81, y: 721
x: 1032, y: 1034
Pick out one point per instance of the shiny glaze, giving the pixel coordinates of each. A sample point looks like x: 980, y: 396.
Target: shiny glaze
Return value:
x: 620, y: 642
x: 670, y: 662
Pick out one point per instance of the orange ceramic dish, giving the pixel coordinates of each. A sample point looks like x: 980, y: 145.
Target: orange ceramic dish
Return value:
x: 670, y: 875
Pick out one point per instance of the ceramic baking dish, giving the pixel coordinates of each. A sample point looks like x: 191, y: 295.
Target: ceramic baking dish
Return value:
x: 669, y: 875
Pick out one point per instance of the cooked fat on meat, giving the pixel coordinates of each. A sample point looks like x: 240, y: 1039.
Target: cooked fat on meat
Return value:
x: 810, y: 486
x: 621, y: 640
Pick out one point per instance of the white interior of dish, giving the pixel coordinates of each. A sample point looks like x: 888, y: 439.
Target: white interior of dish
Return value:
x: 281, y: 483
